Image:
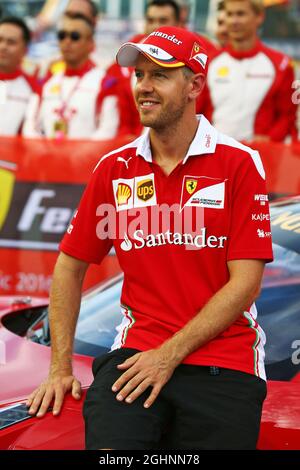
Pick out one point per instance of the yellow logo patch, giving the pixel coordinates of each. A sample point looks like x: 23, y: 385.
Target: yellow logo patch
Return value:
x: 223, y: 72
x: 123, y: 194
x: 191, y: 186
x: 7, y: 179
x: 145, y: 189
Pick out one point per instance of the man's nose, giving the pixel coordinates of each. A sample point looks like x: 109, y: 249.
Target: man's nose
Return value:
x: 145, y: 84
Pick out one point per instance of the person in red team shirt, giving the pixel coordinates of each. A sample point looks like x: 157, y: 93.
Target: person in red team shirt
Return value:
x: 186, y: 210
x: 249, y: 85
x: 221, y: 32
x: 16, y: 87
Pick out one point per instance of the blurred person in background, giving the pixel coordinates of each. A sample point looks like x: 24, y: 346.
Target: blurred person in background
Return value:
x: 56, y: 64
x: 221, y: 32
x: 185, y: 10
x: 86, y: 7
x: 161, y: 13
x: 120, y: 80
x: 171, y: 13
x: 16, y: 87
x: 70, y: 105
x: 54, y: 9
x: 249, y: 85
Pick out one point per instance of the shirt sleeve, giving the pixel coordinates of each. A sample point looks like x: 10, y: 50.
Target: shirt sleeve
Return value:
x: 250, y: 230
x: 86, y: 238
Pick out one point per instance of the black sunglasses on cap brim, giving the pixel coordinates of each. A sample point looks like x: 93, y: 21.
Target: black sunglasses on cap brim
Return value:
x: 73, y: 35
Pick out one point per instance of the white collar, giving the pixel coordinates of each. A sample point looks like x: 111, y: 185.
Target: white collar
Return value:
x: 204, y: 142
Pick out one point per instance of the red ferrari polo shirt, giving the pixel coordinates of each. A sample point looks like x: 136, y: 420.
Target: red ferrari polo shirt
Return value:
x: 174, y: 235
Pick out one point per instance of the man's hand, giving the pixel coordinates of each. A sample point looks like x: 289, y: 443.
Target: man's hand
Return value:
x: 54, y: 388
x: 150, y: 368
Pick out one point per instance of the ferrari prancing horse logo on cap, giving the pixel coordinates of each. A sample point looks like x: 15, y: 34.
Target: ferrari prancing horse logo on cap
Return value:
x: 200, y: 57
x: 196, y: 49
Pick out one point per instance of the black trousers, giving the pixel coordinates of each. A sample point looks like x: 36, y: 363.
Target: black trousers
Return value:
x: 199, y: 408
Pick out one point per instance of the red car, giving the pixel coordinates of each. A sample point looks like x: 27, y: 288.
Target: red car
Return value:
x: 25, y: 352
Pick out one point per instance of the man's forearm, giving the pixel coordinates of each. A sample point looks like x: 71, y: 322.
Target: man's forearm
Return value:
x: 214, y: 318
x: 63, y: 314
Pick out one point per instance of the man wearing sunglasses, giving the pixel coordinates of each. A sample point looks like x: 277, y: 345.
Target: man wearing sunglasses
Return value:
x: 70, y: 105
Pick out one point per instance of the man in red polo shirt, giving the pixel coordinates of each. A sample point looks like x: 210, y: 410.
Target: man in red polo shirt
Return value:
x: 186, y: 209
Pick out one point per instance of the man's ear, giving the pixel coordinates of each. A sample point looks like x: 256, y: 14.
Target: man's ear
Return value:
x: 197, y: 82
x: 260, y: 19
x: 92, y: 45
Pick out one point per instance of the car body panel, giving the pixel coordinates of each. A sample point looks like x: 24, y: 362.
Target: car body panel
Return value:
x: 26, y: 363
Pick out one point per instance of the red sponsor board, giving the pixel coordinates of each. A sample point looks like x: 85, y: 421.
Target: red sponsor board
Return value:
x: 282, y: 167
x: 41, y: 183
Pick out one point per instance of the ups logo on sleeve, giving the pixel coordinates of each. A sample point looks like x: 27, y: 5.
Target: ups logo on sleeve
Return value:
x: 145, y: 189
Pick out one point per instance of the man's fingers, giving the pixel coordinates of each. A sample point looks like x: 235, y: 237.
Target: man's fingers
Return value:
x: 139, y: 390
x: 31, y: 397
x: 47, y: 399
x: 154, y: 394
x: 129, y: 362
x: 58, y: 401
x: 123, y: 379
x: 131, y: 385
x: 54, y: 389
x: 38, y: 398
x: 76, y: 389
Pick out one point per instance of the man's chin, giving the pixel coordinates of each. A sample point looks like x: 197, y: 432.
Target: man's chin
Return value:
x: 147, y: 122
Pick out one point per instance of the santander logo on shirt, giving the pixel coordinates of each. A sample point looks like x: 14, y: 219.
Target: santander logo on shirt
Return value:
x: 201, y: 240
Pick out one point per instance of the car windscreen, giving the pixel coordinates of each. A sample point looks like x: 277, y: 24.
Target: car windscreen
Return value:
x: 279, y: 314
x: 100, y: 315
x: 285, y: 223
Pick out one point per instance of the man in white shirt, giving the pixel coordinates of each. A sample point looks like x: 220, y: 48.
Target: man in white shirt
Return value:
x: 16, y: 87
x: 71, y: 104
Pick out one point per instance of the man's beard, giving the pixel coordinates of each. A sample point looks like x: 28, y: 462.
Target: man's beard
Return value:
x: 167, y: 118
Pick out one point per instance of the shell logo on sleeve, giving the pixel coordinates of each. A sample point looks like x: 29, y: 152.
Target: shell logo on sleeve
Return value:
x: 123, y: 194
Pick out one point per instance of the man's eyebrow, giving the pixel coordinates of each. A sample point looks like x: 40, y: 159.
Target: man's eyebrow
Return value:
x: 157, y: 18
x: 157, y: 69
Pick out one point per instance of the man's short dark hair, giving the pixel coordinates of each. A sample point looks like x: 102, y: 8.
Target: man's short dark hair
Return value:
x: 93, y: 8
x: 221, y: 6
x: 80, y: 16
x: 14, y: 20
x: 164, y: 3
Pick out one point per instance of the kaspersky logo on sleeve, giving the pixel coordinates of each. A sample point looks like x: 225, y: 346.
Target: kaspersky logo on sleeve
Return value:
x: 7, y: 180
